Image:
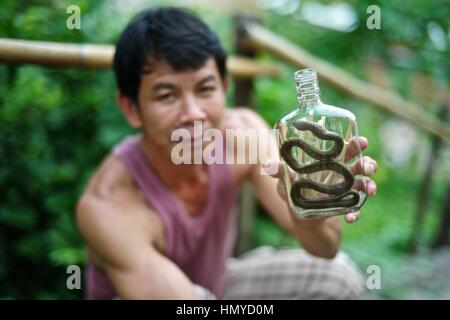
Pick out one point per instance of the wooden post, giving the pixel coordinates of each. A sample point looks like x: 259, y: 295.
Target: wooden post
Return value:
x: 243, y: 88
x: 442, y: 238
x: 424, y: 190
x: 442, y: 235
x: 243, y: 97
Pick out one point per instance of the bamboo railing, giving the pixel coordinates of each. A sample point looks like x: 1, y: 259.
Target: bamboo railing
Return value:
x: 256, y: 38
x: 99, y: 56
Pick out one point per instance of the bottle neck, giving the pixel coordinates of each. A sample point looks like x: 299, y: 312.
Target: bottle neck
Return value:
x: 307, y: 84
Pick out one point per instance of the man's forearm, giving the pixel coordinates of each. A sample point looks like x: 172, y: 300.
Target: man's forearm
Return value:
x: 319, y: 237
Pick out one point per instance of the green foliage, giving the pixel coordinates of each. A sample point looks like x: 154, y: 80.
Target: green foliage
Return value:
x: 52, y: 137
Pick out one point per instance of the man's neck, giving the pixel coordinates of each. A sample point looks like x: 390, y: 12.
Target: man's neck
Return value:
x: 173, y: 175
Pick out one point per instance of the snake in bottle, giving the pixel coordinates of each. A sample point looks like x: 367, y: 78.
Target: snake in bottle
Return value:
x: 341, y: 194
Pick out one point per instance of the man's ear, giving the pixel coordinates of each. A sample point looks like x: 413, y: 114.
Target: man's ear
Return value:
x: 225, y: 84
x: 129, y: 109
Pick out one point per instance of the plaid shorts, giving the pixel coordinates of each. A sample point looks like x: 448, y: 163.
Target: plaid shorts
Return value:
x: 268, y: 273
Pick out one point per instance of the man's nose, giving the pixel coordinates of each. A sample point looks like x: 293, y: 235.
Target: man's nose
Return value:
x: 191, y: 111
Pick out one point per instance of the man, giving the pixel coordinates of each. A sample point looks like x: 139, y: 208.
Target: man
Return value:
x: 158, y: 230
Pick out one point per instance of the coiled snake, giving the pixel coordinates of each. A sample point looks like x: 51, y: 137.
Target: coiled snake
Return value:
x: 341, y: 193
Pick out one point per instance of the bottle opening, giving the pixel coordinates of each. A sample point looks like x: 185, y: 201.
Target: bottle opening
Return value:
x: 307, y: 85
x: 305, y: 74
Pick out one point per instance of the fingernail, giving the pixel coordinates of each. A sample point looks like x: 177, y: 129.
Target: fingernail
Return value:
x: 366, y: 168
x: 373, y: 168
x: 269, y: 168
x: 369, y: 168
x: 373, y: 191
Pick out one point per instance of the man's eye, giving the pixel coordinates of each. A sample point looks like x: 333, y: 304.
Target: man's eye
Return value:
x: 206, y: 89
x: 165, y: 96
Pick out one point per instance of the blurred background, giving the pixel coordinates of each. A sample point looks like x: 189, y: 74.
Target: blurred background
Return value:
x: 57, y: 124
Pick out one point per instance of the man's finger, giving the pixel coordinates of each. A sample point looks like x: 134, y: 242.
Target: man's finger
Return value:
x: 371, y: 187
x: 355, y: 147
x: 282, y: 191
x: 368, y: 186
x: 352, y: 217
x: 367, y: 166
x: 275, y: 169
x: 272, y: 168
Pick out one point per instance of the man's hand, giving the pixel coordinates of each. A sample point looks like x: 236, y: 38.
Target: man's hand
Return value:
x: 319, y: 237
x: 367, y: 167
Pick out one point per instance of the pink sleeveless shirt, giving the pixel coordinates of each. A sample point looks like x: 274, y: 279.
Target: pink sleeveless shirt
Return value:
x: 199, y: 245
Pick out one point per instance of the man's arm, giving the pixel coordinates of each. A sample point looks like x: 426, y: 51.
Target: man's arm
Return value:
x: 119, y: 237
x: 318, y: 237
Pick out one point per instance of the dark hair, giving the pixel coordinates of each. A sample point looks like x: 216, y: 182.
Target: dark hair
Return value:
x: 171, y: 34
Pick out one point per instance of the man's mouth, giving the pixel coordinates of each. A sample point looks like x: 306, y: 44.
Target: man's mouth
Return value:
x: 196, y: 133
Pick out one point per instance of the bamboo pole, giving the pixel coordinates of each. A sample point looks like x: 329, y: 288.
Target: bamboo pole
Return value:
x: 259, y: 38
x: 56, y: 54
x: 100, y: 56
x: 241, y: 67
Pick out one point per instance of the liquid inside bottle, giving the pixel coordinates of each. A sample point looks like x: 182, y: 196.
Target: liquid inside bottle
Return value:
x: 321, y: 159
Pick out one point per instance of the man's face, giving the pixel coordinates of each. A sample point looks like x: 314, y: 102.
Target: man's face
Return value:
x: 170, y: 99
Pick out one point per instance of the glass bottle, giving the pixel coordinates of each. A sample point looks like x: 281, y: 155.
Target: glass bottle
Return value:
x: 319, y: 154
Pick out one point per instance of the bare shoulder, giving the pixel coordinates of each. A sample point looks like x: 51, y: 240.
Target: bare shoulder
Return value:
x: 109, y: 184
x: 111, y: 214
x: 244, y: 119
